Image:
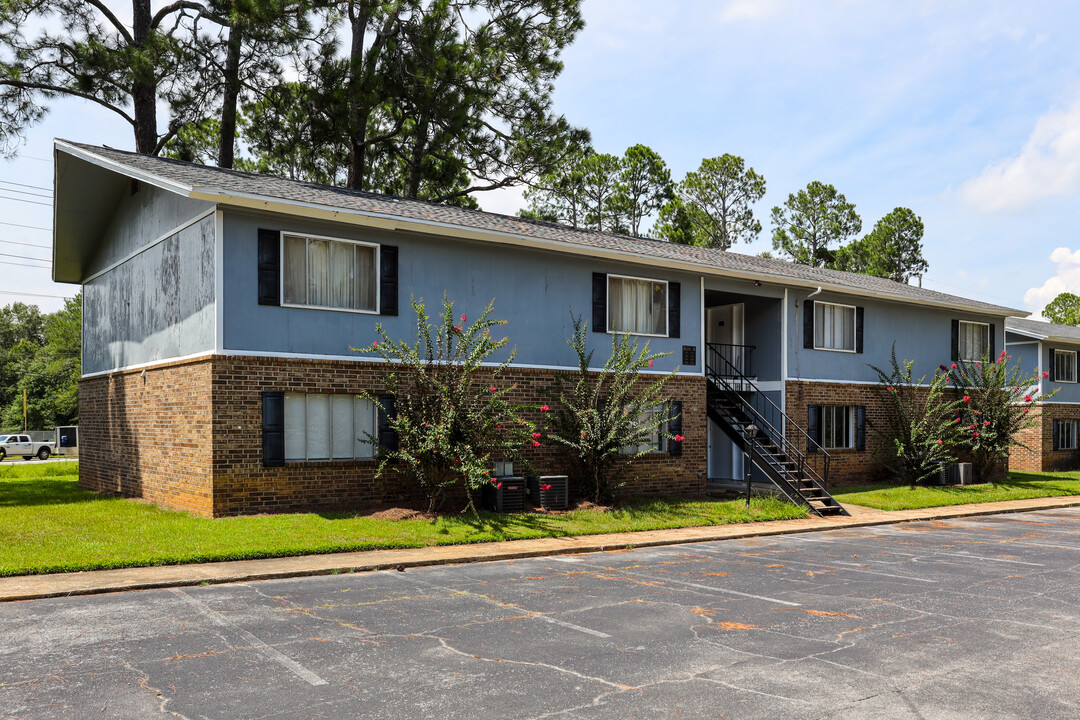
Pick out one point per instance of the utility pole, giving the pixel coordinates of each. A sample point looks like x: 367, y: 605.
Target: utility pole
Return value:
x: 24, y: 410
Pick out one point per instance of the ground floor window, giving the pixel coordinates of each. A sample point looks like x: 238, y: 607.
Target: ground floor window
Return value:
x: 320, y: 426
x: 1065, y: 432
x: 655, y: 440
x: 837, y: 427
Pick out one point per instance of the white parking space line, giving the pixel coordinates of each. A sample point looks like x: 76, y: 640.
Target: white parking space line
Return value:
x: 833, y: 566
x: 284, y: 660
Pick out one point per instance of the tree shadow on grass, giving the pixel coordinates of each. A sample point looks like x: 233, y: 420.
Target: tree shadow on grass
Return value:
x: 44, y: 491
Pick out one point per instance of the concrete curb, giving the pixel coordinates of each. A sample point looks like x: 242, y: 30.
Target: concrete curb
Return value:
x: 35, y: 587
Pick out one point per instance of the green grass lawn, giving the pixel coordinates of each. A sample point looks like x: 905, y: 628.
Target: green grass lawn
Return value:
x: 1017, y: 487
x: 48, y: 524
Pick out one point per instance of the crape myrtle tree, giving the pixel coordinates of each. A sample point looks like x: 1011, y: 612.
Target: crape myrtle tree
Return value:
x: 995, y: 403
x: 452, y: 417
x: 713, y: 206
x: 604, y: 420
x: 919, y: 432
x: 811, y: 221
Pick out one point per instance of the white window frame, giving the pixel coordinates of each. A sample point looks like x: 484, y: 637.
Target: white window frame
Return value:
x: 654, y: 448
x: 308, y: 236
x: 667, y: 305
x: 960, y: 331
x: 1074, y: 426
x: 330, y: 429
x: 849, y: 410
x: 1057, y: 375
x: 854, y: 329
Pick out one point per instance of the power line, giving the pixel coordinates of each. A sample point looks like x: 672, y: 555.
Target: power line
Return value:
x: 35, y: 187
x: 26, y: 192
x: 37, y: 267
x: 16, y: 292
x: 23, y: 257
x: 29, y: 227
x: 32, y: 202
x: 14, y: 242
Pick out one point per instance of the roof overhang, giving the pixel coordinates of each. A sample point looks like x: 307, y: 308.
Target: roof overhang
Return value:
x: 77, y: 229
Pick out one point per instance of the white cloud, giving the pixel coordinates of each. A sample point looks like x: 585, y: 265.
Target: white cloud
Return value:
x: 750, y: 10
x: 1047, y: 166
x: 1067, y: 279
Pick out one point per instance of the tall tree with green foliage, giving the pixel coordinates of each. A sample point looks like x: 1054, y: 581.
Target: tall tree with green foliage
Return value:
x: 644, y: 185
x: 811, y: 221
x: 717, y: 202
x: 40, y: 354
x: 1063, y: 309
x: 893, y: 249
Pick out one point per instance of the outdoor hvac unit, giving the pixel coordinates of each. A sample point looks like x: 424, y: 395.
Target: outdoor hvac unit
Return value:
x: 957, y: 474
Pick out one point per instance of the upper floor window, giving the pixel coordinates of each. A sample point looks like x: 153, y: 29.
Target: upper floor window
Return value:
x: 834, y: 327
x: 1065, y: 366
x: 320, y: 272
x: 973, y: 340
x: 319, y: 426
x: 637, y: 305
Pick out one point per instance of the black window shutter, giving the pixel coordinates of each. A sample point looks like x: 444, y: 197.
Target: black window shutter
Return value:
x: 675, y: 428
x: 808, y: 325
x: 273, y: 429
x: 269, y: 267
x: 1053, y: 365
x: 858, y: 329
x: 955, y: 340
x: 813, y: 428
x: 388, y: 280
x: 599, y: 302
x: 388, y: 437
x: 674, y: 313
x: 1057, y: 434
x: 860, y: 427
x: 992, y: 343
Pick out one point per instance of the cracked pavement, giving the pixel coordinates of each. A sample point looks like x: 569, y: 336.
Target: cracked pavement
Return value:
x: 961, y: 618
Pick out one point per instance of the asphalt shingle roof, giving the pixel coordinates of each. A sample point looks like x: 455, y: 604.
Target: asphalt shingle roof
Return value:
x: 213, y: 179
x: 1044, y: 329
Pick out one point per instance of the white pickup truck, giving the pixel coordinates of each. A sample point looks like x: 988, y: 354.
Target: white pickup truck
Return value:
x: 23, y: 445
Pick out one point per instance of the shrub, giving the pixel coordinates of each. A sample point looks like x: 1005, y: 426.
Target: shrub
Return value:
x: 919, y: 434
x: 598, y: 415
x: 995, y: 403
x: 451, y: 424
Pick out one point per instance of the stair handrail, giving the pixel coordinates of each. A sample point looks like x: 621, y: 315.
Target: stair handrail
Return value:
x: 777, y: 435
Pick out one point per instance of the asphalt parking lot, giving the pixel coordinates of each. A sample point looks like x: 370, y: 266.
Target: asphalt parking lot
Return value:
x: 972, y: 618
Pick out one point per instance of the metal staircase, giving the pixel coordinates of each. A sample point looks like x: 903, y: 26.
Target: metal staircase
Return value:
x: 757, y: 427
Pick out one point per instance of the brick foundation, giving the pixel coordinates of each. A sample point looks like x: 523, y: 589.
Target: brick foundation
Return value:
x: 1039, y: 455
x: 194, y: 433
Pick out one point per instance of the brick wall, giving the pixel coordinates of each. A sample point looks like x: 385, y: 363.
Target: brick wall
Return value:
x: 192, y: 433
x: 847, y: 467
x: 147, y: 433
x: 1039, y: 455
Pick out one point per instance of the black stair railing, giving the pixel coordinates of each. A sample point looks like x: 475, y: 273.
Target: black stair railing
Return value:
x: 736, y: 357
x: 765, y: 414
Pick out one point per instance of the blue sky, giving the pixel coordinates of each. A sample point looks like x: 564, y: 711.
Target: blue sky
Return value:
x: 966, y: 112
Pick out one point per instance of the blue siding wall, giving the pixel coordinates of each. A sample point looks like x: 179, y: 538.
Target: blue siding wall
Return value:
x: 921, y: 334
x: 1026, y: 351
x: 534, y: 290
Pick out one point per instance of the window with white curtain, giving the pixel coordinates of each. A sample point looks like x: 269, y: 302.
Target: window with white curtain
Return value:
x: 326, y: 273
x: 834, y: 327
x: 973, y: 341
x: 654, y: 440
x: 637, y: 305
x: 319, y: 426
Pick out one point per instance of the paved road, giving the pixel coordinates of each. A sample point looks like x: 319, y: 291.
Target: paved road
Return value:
x: 13, y: 460
x: 974, y: 618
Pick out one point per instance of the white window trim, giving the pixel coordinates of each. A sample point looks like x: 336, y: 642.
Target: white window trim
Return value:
x: 309, y: 236
x: 854, y: 332
x: 988, y: 338
x: 1075, y: 431
x: 607, y: 305
x: 330, y: 431
x: 1074, y: 366
x: 659, y: 447
x: 852, y: 430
